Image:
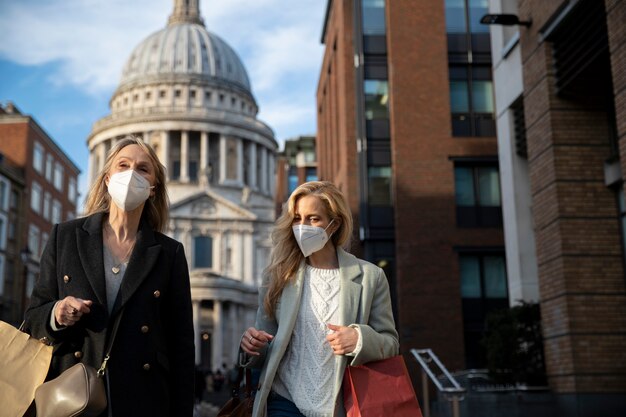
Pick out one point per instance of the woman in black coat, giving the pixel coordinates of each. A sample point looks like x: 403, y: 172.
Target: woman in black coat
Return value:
x: 116, y: 260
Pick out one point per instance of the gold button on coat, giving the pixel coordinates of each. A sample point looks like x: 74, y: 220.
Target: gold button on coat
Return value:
x: 78, y: 354
x: 157, y: 294
x: 146, y: 366
x: 66, y: 278
x: 145, y: 329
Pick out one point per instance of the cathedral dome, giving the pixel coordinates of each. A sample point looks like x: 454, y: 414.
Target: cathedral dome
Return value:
x: 184, y: 49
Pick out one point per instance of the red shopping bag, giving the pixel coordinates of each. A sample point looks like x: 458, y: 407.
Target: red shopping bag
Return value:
x: 380, y: 389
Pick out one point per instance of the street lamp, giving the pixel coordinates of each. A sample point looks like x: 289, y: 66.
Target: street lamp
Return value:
x: 503, y: 19
x: 24, y: 256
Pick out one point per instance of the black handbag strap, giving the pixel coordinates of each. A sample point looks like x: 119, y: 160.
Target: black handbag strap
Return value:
x: 107, y: 356
x: 248, y: 383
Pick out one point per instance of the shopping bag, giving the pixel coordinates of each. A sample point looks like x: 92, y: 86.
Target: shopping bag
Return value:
x: 24, y: 363
x: 237, y: 406
x: 380, y: 388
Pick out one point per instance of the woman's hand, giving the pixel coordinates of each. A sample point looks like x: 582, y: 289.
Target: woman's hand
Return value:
x: 343, y: 339
x: 254, y: 340
x: 70, y: 310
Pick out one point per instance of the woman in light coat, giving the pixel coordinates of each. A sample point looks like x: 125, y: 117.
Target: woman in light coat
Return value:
x: 320, y: 310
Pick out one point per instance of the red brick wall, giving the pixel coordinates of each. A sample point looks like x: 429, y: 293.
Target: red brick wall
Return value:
x: 579, y: 253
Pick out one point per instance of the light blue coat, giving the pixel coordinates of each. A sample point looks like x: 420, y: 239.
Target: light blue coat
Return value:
x: 364, y: 301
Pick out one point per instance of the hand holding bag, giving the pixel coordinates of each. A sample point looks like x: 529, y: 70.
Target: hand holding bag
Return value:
x: 236, y: 407
x: 380, y: 388
x: 24, y: 363
x: 78, y: 391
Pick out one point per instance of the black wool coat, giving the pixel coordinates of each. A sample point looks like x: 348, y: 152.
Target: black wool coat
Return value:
x: 151, y: 368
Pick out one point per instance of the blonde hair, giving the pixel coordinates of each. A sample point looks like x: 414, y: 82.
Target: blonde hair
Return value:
x: 286, y: 255
x: 156, y: 210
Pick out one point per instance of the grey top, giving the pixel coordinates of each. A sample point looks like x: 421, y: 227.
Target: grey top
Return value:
x: 113, y: 281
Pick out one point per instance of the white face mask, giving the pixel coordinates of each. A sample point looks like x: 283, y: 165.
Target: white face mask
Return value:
x: 310, y: 238
x: 128, y: 189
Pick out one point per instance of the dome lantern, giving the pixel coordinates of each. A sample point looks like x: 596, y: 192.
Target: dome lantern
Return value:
x: 185, y: 11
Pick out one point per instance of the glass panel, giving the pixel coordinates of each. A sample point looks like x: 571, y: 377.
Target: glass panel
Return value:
x: 379, y: 185
x: 488, y: 187
x: 470, y: 276
x: 482, y: 96
x: 376, y: 99
x: 455, y: 16
x: 373, y: 15
x: 203, y: 252
x: 292, y: 183
x: 495, y: 277
x: 459, y: 102
x: 477, y: 9
x: 464, y: 186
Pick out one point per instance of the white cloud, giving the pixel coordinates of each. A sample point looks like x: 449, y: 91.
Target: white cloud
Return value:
x: 91, y: 39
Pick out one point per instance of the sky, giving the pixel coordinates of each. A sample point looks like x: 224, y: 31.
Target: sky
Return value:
x: 61, y: 60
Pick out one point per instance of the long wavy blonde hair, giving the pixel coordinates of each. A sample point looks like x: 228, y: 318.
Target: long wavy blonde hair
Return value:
x: 286, y: 255
x: 156, y: 210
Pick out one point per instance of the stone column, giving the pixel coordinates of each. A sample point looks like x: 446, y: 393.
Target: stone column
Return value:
x: 146, y: 137
x: 218, y: 335
x: 184, y: 156
x: 102, y: 153
x: 92, y: 167
x: 240, y: 178
x: 254, y: 181
x: 248, y: 258
x: 196, y: 330
x: 271, y: 174
x: 223, y: 158
x: 264, y: 174
x: 165, y: 152
x: 204, y: 151
x: 235, y: 335
x: 237, y: 248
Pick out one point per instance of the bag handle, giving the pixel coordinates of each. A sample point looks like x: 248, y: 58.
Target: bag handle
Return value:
x: 248, y: 383
x: 107, y: 356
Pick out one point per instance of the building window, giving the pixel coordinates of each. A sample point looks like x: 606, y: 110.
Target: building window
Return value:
x: 177, y: 93
x: 46, y: 205
x: 33, y: 240
x: 231, y: 159
x: 38, y: 154
x: 376, y: 99
x: 202, y: 252
x: 71, y: 190
x: 5, y: 188
x: 621, y: 204
x: 58, y: 176
x: 192, y: 94
x: 2, y: 275
x: 310, y: 174
x: 49, y: 167
x: 477, y: 195
x: 483, y: 289
x: 35, y: 197
x: 162, y: 93
x: 56, y: 211
x: 44, y: 241
x: 373, y: 17
x: 379, y: 186
x: 3, y: 231
x: 471, y: 101
x: 292, y: 179
x: 13, y: 199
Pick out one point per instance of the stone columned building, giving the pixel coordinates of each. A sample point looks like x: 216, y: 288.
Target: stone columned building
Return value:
x: 186, y: 92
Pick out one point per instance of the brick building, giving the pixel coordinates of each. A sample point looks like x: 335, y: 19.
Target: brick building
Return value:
x: 406, y: 129
x: 49, y: 180
x: 295, y: 165
x: 560, y: 88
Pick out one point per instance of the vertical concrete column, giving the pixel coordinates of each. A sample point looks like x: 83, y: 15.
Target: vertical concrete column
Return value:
x: 218, y: 335
x: 223, y: 158
x: 196, y: 329
x: 102, y: 153
x: 254, y: 181
x: 272, y: 175
x: 165, y: 152
x: 92, y: 168
x: 240, y: 178
x: 237, y: 249
x: 235, y: 335
x: 248, y: 258
x: 184, y: 156
x: 264, y: 174
x: 204, y: 151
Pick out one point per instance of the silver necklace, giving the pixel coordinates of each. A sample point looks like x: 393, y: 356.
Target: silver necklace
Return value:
x: 118, y: 267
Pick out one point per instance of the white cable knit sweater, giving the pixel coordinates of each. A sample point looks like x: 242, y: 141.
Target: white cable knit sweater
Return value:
x: 307, y: 371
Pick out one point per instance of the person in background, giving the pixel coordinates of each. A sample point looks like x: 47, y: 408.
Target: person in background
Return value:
x: 114, y: 261
x: 320, y: 309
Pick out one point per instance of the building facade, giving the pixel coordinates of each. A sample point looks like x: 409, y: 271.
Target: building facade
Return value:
x: 560, y: 87
x: 295, y: 165
x: 406, y: 128
x: 186, y: 92
x: 38, y: 188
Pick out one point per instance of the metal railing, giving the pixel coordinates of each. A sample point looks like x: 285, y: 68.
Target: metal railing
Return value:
x: 453, y: 392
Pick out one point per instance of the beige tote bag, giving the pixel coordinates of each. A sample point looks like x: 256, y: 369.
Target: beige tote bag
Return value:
x: 24, y: 363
